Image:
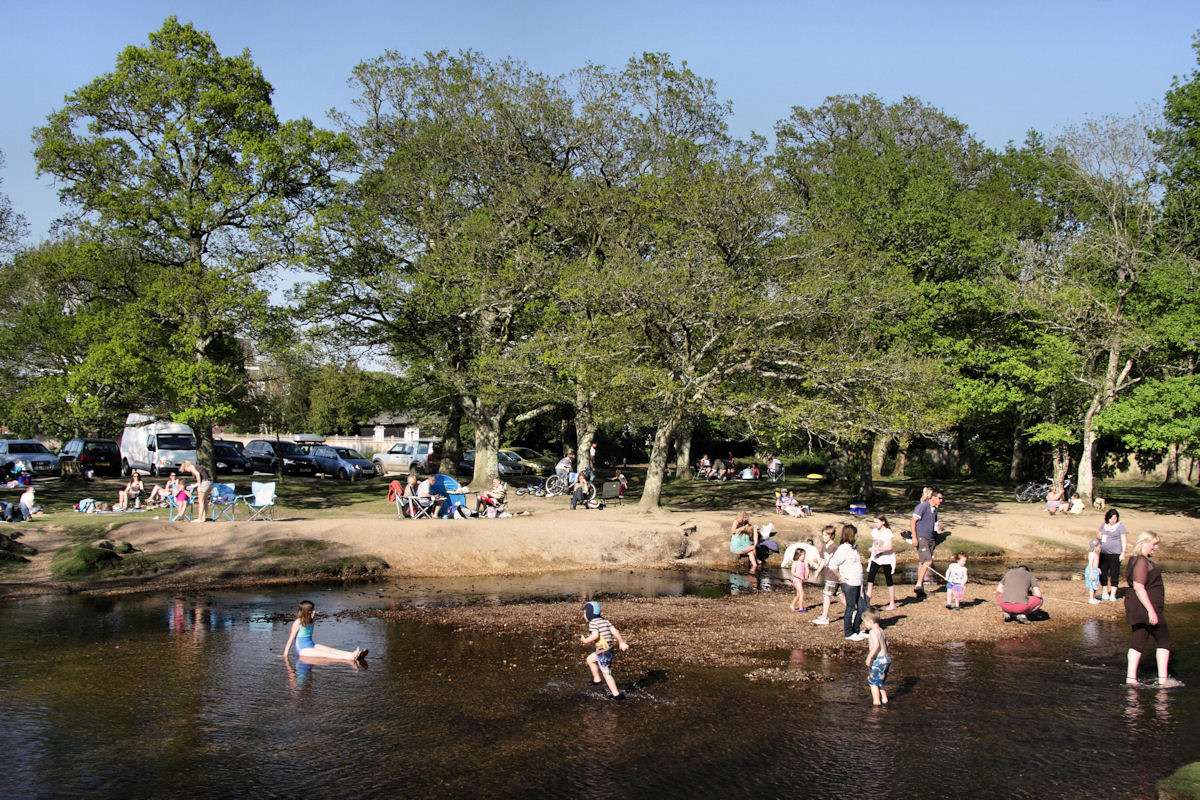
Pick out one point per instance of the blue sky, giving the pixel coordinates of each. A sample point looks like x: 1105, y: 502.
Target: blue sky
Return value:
x: 1000, y: 66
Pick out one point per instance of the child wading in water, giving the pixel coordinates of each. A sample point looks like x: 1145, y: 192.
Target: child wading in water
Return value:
x: 1091, y: 573
x: 607, y: 639
x: 879, y: 659
x: 302, y: 631
x: 956, y: 581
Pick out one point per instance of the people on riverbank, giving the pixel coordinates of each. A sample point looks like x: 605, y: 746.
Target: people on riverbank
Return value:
x: 607, y: 640
x: 1113, y: 543
x: 301, y: 635
x: 743, y: 540
x: 1091, y: 572
x: 1144, y: 611
x: 202, y: 485
x: 1018, y: 594
x: 131, y: 495
x: 830, y: 587
x: 879, y: 658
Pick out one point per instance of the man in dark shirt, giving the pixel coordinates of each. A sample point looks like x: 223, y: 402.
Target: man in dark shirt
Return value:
x: 924, y: 530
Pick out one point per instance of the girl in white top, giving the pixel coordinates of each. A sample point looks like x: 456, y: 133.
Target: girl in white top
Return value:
x: 883, y: 559
x: 956, y: 581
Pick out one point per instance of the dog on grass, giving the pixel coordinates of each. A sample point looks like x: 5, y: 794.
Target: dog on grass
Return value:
x: 1098, y: 503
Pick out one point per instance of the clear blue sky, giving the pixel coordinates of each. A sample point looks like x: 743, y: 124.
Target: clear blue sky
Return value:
x: 1000, y: 66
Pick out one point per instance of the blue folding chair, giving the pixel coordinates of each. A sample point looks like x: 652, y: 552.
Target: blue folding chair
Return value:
x: 224, y: 502
x: 260, y: 501
x: 178, y: 506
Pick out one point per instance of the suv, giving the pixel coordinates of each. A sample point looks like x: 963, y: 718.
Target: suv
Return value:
x: 422, y: 455
x: 265, y: 456
x: 30, y: 454
x: 101, y: 456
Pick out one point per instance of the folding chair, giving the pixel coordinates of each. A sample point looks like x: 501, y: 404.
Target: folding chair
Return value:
x: 260, y: 501
x: 224, y: 502
x: 612, y: 491
x: 178, y: 505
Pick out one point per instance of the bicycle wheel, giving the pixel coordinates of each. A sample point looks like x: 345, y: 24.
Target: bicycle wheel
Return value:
x: 555, y: 485
x: 522, y: 491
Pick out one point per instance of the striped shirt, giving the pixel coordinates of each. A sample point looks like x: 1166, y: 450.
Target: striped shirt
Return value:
x: 607, y: 638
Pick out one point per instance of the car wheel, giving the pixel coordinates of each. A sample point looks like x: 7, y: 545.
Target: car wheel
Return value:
x: 124, y: 468
x: 343, y: 475
x: 380, y: 470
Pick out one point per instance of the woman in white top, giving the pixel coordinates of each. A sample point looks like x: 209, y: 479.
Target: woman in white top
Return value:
x: 846, y: 565
x: 883, y: 559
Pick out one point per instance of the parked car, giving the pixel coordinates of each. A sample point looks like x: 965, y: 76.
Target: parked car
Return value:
x: 265, y: 455
x: 509, y: 464
x: 100, y: 456
x: 30, y: 454
x: 422, y: 455
x: 234, y: 443
x: 229, y: 460
x: 537, y: 463
x: 155, y: 446
x: 341, y: 462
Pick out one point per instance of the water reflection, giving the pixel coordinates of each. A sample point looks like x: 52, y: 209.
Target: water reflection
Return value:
x: 157, y: 696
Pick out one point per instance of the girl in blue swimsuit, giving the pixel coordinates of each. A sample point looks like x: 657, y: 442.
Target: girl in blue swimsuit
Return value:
x: 302, y: 630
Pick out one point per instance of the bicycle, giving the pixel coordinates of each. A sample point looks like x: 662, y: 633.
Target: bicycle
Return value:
x: 1034, y: 491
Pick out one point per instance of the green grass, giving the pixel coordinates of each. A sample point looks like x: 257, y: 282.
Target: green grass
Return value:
x: 1183, y: 784
x: 84, y: 562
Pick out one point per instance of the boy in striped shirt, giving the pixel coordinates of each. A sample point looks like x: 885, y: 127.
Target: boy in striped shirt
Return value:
x: 607, y: 639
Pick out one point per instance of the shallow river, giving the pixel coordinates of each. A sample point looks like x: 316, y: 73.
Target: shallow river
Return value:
x: 161, y: 696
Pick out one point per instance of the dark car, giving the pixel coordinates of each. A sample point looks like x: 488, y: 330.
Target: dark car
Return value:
x: 507, y: 462
x: 99, y: 456
x: 229, y: 460
x: 266, y: 455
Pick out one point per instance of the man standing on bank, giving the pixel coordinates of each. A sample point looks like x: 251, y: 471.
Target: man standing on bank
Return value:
x: 924, y: 530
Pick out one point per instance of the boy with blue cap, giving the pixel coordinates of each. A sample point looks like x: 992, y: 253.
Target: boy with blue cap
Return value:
x: 607, y: 639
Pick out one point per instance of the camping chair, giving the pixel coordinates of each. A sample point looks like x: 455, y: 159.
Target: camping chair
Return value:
x: 408, y: 507
x: 178, y: 504
x: 224, y: 502
x: 418, y: 511
x: 612, y: 491
x: 260, y: 501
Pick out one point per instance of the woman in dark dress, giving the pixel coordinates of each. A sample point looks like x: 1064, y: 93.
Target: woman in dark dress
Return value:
x: 1144, y: 610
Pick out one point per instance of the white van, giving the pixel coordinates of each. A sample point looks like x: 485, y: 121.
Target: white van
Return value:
x: 155, y: 446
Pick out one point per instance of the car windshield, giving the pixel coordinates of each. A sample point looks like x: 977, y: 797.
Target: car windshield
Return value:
x: 27, y: 447
x: 288, y: 449
x: 225, y: 450
x: 505, y: 455
x: 346, y: 452
x: 176, y: 441
x: 525, y: 452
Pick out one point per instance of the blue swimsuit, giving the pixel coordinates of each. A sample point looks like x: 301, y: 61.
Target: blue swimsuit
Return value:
x: 304, y: 638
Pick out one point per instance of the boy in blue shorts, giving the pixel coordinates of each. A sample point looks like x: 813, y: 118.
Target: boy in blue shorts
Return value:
x: 879, y: 660
x: 607, y: 639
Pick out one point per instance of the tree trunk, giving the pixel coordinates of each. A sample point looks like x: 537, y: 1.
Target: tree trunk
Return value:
x: 902, y: 456
x: 1016, y: 470
x: 663, y: 436
x: 487, y: 446
x: 1173, y: 475
x: 1114, y: 376
x: 683, y: 454
x: 204, y: 447
x: 452, y: 438
x: 866, y: 471
x: 878, y: 454
x: 1060, y: 457
x: 568, y: 438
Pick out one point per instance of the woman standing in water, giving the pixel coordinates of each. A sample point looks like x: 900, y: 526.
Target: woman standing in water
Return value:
x: 1144, y: 610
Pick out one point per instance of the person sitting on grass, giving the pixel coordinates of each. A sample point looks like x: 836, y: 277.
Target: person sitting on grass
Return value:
x: 131, y: 495
x: 492, y: 498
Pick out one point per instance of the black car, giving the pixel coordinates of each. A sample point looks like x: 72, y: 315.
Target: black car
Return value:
x: 229, y: 460
x: 265, y: 455
x: 100, y: 456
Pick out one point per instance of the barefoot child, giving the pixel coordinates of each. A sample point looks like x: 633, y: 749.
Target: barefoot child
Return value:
x: 302, y: 631
x: 607, y: 639
x: 797, y: 557
x: 828, y: 548
x: 1091, y: 573
x: 956, y: 581
x: 879, y: 659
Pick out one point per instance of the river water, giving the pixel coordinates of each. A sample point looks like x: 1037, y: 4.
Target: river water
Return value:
x: 187, y: 696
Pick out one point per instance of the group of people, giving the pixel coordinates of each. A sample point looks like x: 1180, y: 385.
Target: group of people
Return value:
x: 174, y: 490
x: 25, y: 509
x: 1055, y: 502
x: 838, y: 567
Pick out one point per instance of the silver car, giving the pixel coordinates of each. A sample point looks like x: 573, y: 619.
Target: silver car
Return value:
x: 30, y: 455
